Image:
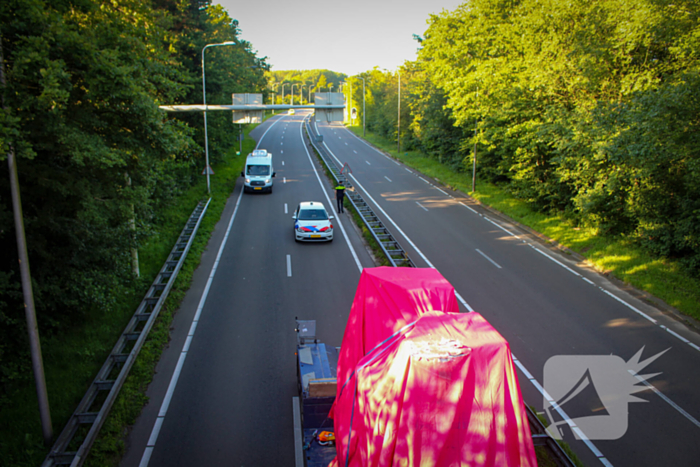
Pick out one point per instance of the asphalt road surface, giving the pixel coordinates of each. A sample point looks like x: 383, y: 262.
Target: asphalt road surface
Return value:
x: 232, y: 401
x: 545, y: 305
x: 223, y: 395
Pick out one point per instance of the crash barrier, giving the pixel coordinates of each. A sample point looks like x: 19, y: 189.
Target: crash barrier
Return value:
x: 398, y: 257
x: 85, y: 423
x: 392, y: 249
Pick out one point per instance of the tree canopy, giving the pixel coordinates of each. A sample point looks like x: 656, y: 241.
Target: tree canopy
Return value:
x: 84, y: 79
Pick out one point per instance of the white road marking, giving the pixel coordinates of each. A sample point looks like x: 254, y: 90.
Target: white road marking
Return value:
x: 282, y: 152
x: 426, y: 181
x: 368, y: 163
x: 283, y: 163
x: 407, y: 170
x: 563, y: 414
x: 346, y: 144
x: 443, y: 192
x: 552, y: 259
x: 636, y: 310
x: 692, y: 419
x: 289, y: 266
x: 468, y: 208
x: 284, y: 180
x: 588, y: 280
x: 421, y: 205
x: 492, y: 261
x: 185, y: 348
x: 387, y: 178
x: 337, y: 219
x: 281, y: 144
x: 354, y: 151
x: 285, y: 208
x: 503, y: 229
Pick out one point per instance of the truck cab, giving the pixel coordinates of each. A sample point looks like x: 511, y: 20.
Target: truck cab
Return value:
x: 258, y: 172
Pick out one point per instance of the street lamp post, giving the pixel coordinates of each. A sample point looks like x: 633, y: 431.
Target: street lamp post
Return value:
x: 292, y: 103
x: 363, y: 106
x: 207, y: 169
x: 310, y: 87
x: 301, y: 94
x: 398, y: 131
x: 476, y: 124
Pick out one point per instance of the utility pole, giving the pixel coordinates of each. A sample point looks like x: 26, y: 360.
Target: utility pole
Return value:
x: 29, y: 310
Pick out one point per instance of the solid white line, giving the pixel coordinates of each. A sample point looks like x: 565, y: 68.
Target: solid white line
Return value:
x: 443, y: 192
x: 464, y: 302
x: 588, y: 280
x: 421, y: 205
x: 387, y: 178
x: 285, y: 208
x: 558, y: 262
x: 289, y: 266
x: 492, y: 261
x: 563, y: 414
x: 501, y: 227
x: 183, y: 354
x: 468, y: 208
x: 337, y: 218
x: 641, y: 313
x: 692, y: 419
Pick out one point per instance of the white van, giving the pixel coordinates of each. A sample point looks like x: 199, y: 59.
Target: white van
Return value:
x: 258, y: 171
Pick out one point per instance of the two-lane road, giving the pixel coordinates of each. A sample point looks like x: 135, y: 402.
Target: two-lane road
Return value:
x: 223, y: 391
x: 542, y: 302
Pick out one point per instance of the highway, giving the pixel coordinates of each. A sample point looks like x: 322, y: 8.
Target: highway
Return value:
x: 542, y: 302
x: 232, y: 401
x: 223, y: 395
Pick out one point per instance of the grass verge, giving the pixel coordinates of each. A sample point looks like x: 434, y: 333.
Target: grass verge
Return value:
x: 109, y: 446
x: 72, y: 359
x: 620, y: 257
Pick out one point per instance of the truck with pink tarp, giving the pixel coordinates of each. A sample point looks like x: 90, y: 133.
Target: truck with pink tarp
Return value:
x: 415, y: 383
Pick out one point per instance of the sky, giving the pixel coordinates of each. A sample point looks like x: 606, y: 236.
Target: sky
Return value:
x: 346, y: 37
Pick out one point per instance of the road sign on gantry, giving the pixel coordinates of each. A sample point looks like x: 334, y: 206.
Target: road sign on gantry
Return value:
x: 322, y: 99
x: 247, y: 116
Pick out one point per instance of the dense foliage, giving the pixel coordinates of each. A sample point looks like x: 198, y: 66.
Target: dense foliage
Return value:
x: 586, y: 108
x: 84, y: 79
x: 305, y: 82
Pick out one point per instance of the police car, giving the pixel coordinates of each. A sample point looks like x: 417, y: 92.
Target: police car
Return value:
x: 312, y: 223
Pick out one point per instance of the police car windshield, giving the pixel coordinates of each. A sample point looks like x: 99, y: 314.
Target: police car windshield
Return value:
x: 313, y: 215
x: 258, y: 170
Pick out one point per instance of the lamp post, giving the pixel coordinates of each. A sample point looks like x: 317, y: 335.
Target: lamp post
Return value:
x: 476, y: 124
x: 363, y: 106
x: 310, y: 87
x: 301, y: 94
x: 398, y: 130
x: 204, y: 98
x: 292, y: 103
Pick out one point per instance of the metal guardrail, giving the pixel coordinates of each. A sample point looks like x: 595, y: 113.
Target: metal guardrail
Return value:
x: 540, y: 437
x: 92, y: 411
x: 392, y: 249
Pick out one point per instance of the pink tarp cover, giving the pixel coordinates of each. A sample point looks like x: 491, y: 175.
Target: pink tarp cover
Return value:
x: 425, y: 387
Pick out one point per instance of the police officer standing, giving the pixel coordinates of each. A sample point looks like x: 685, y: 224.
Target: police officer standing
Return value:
x: 339, y: 195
